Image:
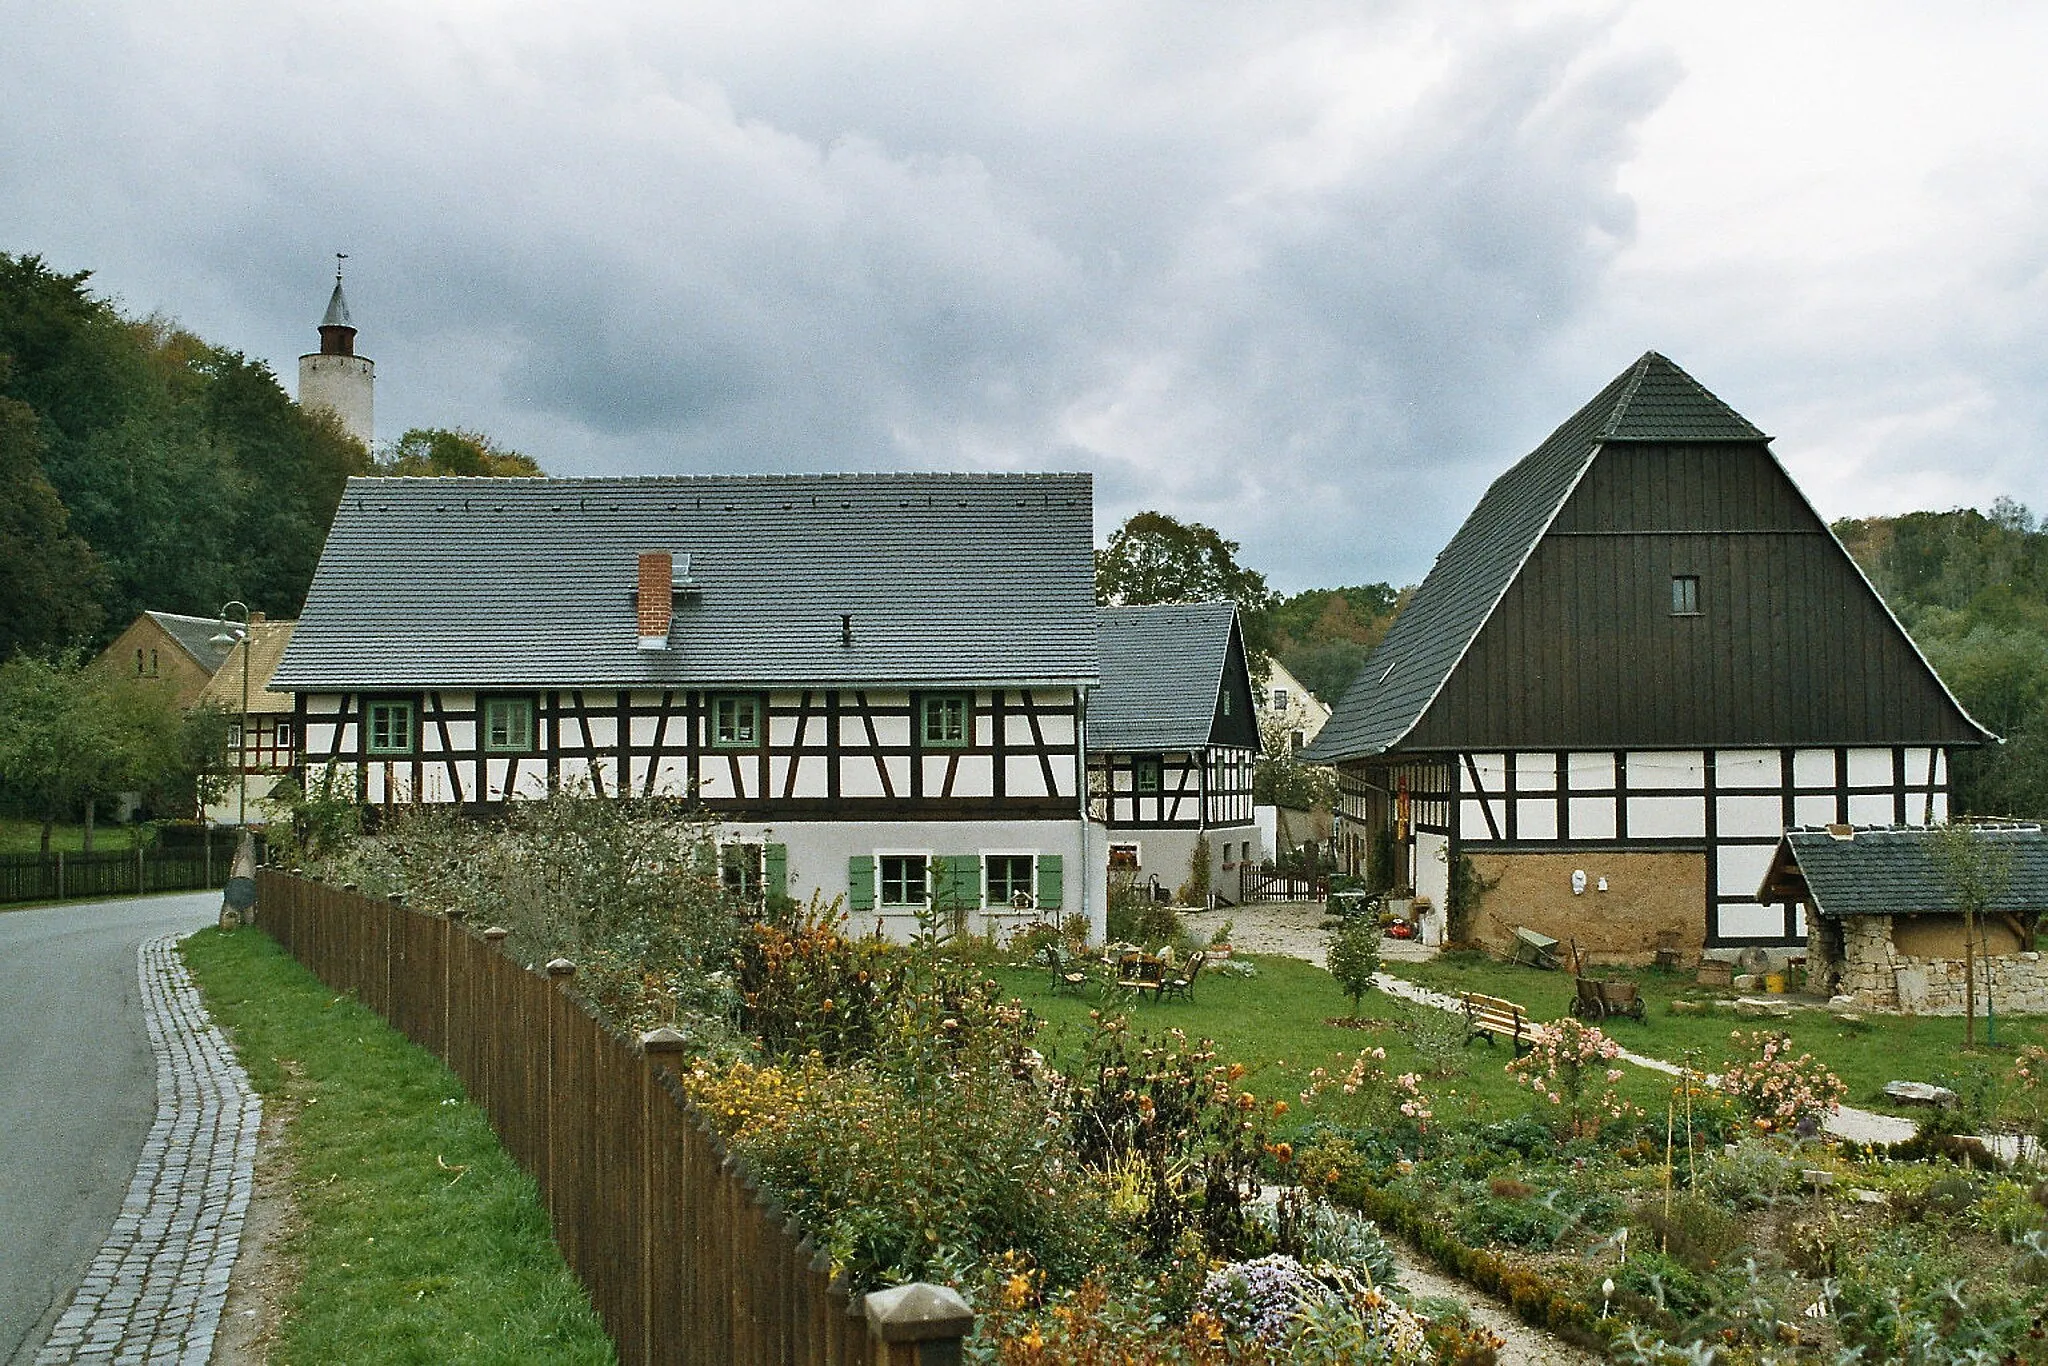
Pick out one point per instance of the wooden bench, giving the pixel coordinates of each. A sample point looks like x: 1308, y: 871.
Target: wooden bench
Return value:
x: 1491, y: 1017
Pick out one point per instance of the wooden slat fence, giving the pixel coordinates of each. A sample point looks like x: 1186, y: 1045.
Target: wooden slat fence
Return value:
x: 1253, y: 885
x: 69, y: 875
x: 684, y: 1258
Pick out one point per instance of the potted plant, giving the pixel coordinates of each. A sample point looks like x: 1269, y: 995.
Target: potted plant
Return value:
x: 1219, y: 942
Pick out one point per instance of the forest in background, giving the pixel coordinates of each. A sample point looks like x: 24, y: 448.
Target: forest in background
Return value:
x: 142, y: 468
x: 1972, y: 589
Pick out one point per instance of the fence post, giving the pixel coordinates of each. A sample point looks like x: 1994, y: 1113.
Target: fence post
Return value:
x: 60, y: 875
x: 455, y: 916
x: 659, y: 1047
x: 559, y: 971
x: 918, y: 1325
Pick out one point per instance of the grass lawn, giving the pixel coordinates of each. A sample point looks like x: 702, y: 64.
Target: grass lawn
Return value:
x: 421, y: 1241
x: 1278, y: 1025
x: 26, y: 837
x: 1865, y: 1054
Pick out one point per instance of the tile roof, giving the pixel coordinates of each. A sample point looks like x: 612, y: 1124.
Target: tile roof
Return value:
x: 948, y: 579
x: 1162, y: 670
x: 268, y: 640
x: 195, y: 636
x: 1653, y: 400
x: 1890, y: 871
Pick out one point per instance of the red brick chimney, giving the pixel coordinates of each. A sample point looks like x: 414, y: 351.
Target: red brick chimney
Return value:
x: 657, y: 586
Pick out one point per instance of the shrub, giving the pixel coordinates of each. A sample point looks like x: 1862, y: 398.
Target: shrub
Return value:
x: 1354, y: 956
x: 1780, y: 1093
x: 1561, y: 1065
x: 1135, y: 918
x: 811, y: 988
x: 1369, y: 1096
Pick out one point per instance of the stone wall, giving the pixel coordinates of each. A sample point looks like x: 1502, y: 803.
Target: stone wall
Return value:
x: 1875, y: 973
x: 1647, y: 894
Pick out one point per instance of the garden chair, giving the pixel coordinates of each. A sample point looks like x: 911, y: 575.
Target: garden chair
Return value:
x: 1067, y: 975
x: 1183, y: 985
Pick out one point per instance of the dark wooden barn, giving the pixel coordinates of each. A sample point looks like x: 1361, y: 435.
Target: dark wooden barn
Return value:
x: 1640, y: 660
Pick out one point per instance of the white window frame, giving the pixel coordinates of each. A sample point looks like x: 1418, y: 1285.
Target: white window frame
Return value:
x: 988, y: 901
x: 1137, y: 848
x: 882, y: 902
x: 756, y: 866
x: 281, y: 735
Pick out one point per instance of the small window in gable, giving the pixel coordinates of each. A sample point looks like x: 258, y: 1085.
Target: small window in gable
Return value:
x: 1279, y: 699
x: 948, y: 719
x: 735, y: 721
x: 1685, y: 595
x: 508, y: 725
x: 284, y: 735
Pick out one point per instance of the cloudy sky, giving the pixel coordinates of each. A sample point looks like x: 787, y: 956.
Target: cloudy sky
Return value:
x: 1311, y: 273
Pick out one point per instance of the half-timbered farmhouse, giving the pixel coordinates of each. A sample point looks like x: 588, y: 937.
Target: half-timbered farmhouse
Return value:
x: 1640, y: 660
x: 1172, y: 737
x: 874, y: 682
x: 265, y: 752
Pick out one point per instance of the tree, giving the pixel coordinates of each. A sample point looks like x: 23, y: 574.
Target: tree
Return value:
x: 1977, y: 870
x: 71, y: 736
x: 444, y: 450
x: 1155, y: 558
x: 1354, y: 954
x: 49, y: 576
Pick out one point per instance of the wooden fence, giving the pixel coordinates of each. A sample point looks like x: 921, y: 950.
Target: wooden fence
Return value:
x: 66, y: 875
x: 1253, y: 885
x: 682, y: 1255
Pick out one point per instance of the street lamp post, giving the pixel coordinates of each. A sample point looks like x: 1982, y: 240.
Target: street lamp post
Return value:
x: 233, y: 631
x: 238, y: 902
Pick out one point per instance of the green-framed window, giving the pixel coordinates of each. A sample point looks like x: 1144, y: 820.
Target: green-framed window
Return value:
x: 508, y: 725
x: 1147, y: 773
x: 388, y: 726
x: 947, y: 719
x: 735, y: 720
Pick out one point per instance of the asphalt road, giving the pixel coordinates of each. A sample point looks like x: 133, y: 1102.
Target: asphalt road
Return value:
x: 77, y: 1092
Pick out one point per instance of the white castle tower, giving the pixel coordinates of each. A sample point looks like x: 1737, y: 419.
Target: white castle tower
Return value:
x: 335, y: 377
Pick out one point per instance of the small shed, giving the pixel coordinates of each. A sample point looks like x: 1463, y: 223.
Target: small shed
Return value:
x: 1883, y: 926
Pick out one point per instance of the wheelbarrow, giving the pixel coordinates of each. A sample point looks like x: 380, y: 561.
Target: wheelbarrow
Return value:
x: 1534, y: 949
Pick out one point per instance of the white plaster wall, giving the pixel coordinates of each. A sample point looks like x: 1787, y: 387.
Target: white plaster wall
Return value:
x: 345, y: 386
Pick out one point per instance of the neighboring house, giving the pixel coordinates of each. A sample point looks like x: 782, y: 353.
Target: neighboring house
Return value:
x: 1883, y: 926
x: 165, y: 646
x: 1639, y: 661
x: 1172, y: 737
x: 874, y: 682
x: 1288, y: 710
x: 268, y: 751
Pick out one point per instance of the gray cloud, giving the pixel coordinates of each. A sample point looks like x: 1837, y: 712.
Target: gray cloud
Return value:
x: 1313, y: 273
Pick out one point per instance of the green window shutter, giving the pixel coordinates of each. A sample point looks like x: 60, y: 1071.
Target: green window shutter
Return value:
x: 1051, y: 881
x: 860, y: 883
x: 956, y: 882
x: 775, y: 869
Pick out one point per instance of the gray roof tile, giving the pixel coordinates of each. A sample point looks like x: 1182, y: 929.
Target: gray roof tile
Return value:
x: 195, y: 635
x: 1653, y: 400
x: 1893, y: 871
x: 949, y: 579
x: 1162, y: 670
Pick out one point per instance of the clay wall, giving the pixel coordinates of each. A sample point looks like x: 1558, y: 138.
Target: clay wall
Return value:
x: 1648, y: 894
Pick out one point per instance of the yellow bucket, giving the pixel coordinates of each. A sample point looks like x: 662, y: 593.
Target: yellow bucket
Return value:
x: 1774, y: 982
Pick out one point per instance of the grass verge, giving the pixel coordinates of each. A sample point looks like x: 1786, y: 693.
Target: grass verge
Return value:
x: 420, y: 1241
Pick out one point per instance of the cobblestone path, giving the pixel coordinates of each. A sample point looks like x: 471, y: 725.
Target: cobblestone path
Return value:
x: 154, y: 1292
